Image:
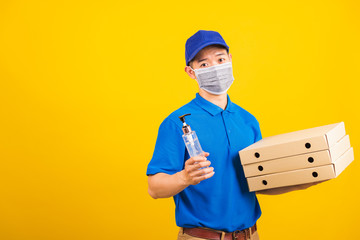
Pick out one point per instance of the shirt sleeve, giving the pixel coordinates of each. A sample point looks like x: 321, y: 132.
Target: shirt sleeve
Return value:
x: 169, y: 153
x: 258, y: 135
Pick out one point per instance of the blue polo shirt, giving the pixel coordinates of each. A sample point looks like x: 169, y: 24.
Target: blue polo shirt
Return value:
x: 222, y: 202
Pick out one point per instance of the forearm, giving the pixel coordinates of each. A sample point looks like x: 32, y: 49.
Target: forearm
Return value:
x: 162, y: 185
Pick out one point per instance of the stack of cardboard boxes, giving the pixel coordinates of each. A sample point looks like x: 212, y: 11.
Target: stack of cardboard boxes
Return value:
x: 299, y: 157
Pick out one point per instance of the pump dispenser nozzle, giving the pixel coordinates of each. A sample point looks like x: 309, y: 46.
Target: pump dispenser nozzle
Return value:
x: 190, y: 139
x: 186, y: 128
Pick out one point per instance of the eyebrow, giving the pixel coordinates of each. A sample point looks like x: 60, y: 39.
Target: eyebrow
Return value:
x: 218, y: 54
x: 201, y: 60
x: 204, y: 59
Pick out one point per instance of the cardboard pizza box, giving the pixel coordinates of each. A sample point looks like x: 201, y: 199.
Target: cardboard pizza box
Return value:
x: 293, y: 143
x: 300, y: 161
x: 301, y: 176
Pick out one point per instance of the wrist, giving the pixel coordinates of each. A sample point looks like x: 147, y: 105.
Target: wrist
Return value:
x: 181, y: 179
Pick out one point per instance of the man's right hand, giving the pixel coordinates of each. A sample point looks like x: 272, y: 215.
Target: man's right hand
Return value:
x: 163, y: 185
x: 196, y: 170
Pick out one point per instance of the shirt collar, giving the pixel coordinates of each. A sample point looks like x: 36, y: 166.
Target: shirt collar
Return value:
x: 212, y: 108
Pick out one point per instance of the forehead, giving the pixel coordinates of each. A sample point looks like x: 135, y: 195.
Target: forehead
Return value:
x: 209, y: 51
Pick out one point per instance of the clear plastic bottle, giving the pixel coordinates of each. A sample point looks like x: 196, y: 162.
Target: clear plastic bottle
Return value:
x: 190, y: 138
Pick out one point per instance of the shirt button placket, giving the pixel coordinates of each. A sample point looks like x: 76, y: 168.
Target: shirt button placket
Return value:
x: 227, y: 129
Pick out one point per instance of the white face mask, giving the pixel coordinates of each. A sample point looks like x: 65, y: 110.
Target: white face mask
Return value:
x: 216, y: 79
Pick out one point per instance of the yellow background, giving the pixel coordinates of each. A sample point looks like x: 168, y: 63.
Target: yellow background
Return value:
x: 84, y: 86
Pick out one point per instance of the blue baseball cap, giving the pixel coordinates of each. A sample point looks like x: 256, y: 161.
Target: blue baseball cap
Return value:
x: 200, y: 40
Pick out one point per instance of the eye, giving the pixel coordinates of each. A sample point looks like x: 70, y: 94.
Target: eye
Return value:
x: 203, y: 65
x: 222, y: 60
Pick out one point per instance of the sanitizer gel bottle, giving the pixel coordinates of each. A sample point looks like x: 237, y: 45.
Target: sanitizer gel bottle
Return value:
x: 191, y: 141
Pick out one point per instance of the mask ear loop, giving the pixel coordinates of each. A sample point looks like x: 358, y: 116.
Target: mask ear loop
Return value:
x: 193, y: 71
x: 195, y: 75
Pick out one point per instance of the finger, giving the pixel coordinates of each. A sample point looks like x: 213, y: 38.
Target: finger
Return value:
x: 199, y: 158
x: 198, y: 165
x: 202, y: 172
x: 202, y: 164
x: 190, y: 161
x: 206, y: 154
x: 189, y: 169
x: 203, y: 177
x: 193, y: 160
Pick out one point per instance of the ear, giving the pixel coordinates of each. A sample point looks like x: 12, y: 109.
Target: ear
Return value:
x: 230, y: 57
x: 190, y: 72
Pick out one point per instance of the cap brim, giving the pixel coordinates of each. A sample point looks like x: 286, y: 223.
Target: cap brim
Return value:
x: 205, y: 45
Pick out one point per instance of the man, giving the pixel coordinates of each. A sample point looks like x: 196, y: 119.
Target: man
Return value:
x: 210, y: 190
